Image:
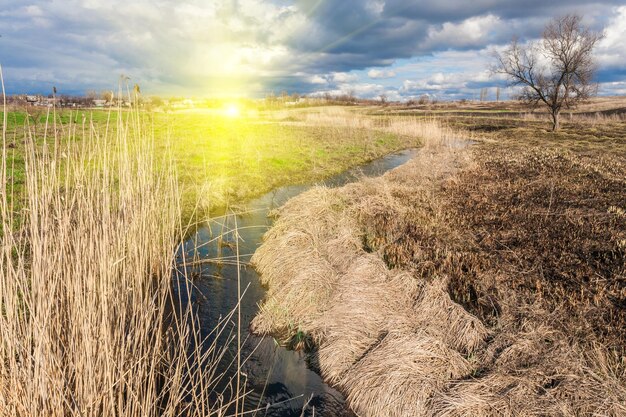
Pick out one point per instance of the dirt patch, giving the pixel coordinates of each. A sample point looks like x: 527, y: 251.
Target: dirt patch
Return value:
x: 464, y: 283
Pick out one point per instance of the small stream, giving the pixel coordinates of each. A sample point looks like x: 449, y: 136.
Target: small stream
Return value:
x: 281, y: 380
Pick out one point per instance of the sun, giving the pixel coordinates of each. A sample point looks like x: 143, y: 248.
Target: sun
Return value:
x: 232, y: 110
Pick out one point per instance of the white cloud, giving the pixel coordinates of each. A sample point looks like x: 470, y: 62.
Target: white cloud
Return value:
x: 612, y: 49
x: 33, y: 10
x: 381, y: 74
x: 364, y: 90
x: 451, y: 83
x: 376, y: 7
x: 474, y: 31
x: 613, y: 88
x: 198, y: 46
x: 318, y: 79
x: 343, y: 77
x: 334, y: 78
x: 190, y: 44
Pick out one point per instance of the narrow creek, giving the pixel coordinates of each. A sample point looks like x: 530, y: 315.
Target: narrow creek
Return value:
x: 280, y: 380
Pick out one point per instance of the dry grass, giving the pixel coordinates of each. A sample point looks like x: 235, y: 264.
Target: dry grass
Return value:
x: 543, y: 223
x: 324, y: 283
x: 400, y: 375
x: 464, y: 283
x: 89, y: 323
x: 338, y: 117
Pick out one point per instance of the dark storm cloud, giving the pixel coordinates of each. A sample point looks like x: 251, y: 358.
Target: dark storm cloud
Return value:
x: 456, y: 10
x: 394, y: 29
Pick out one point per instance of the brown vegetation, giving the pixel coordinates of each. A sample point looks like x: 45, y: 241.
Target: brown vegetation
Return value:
x: 488, y: 281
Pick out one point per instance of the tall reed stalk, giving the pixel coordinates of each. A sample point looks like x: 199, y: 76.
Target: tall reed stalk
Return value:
x: 89, y: 322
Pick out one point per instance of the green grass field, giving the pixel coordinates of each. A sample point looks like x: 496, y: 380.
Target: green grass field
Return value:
x: 220, y: 160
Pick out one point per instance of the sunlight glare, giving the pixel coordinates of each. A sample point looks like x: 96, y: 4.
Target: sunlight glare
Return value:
x: 232, y: 110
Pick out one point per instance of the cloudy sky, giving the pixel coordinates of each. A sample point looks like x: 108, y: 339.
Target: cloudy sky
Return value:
x: 400, y: 48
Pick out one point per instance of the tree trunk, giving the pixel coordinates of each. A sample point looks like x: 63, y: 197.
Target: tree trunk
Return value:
x: 555, y: 120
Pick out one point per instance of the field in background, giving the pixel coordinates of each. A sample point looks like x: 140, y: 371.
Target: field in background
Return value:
x: 597, y: 126
x: 226, y: 160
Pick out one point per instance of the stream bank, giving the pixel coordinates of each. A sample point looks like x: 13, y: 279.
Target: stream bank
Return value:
x: 383, y: 337
x: 280, y: 381
x: 437, y: 290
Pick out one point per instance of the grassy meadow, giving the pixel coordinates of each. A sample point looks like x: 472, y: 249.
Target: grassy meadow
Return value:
x: 220, y: 159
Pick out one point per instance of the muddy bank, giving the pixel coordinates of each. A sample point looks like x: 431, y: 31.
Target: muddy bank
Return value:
x: 391, y: 287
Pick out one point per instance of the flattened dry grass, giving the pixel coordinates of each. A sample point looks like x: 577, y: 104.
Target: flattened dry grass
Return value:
x: 465, y: 283
x: 400, y: 375
x: 324, y: 282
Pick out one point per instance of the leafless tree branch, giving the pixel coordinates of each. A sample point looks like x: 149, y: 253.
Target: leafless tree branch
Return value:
x: 556, y: 71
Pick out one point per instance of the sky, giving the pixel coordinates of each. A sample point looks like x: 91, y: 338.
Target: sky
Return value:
x: 400, y: 48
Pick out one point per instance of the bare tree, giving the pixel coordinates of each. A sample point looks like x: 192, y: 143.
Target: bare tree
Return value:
x: 556, y: 71
x: 351, y: 96
x: 270, y: 99
x: 91, y: 94
x: 156, y: 101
